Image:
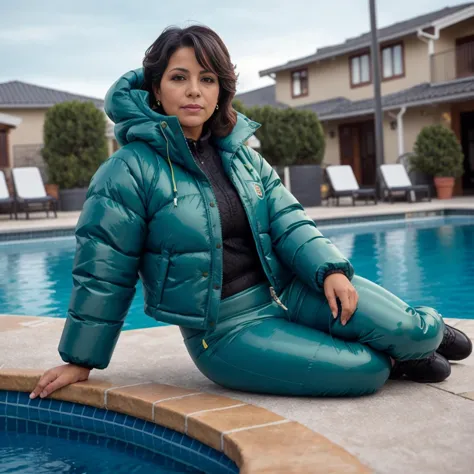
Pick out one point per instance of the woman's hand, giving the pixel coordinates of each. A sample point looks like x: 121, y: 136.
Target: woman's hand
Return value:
x: 59, y: 377
x: 338, y: 285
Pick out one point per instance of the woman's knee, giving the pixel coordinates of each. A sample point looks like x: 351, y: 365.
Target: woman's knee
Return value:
x: 419, y: 334
x: 358, y: 371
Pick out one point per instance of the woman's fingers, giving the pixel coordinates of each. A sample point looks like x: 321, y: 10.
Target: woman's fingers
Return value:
x: 331, y: 297
x: 346, y: 306
x: 44, y: 381
x: 56, y: 384
x: 352, y: 305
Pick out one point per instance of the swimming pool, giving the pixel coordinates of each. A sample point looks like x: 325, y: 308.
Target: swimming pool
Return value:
x: 52, y: 436
x: 424, y: 261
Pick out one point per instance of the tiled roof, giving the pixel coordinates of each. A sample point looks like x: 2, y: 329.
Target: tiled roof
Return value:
x: 260, y: 97
x: 340, y: 107
x: 421, y: 94
x: 396, y: 30
x: 326, y: 107
x: 17, y: 94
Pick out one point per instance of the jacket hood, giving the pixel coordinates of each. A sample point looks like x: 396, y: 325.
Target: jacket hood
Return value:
x: 127, y: 105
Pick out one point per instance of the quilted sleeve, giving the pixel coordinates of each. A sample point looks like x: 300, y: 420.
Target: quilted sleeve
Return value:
x: 295, y: 237
x: 109, y: 239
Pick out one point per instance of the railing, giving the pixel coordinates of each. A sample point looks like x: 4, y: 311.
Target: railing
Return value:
x: 453, y: 64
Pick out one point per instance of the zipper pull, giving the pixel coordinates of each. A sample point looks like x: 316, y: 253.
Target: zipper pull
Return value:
x: 276, y: 299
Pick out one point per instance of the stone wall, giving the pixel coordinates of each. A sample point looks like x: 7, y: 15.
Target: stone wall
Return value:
x: 30, y: 155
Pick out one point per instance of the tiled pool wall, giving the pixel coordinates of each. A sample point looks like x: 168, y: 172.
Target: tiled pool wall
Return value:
x: 402, y: 216
x: 324, y: 222
x: 74, y: 422
x: 36, y: 234
x: 208, y: 432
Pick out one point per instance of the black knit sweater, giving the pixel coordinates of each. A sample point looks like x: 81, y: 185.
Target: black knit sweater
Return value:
x: 242, y: 268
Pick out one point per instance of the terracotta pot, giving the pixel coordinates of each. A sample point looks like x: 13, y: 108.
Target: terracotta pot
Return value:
x: 444, y: 187
x: 52, y: 190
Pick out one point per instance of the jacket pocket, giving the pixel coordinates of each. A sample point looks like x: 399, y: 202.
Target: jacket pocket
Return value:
x: 161, y: 277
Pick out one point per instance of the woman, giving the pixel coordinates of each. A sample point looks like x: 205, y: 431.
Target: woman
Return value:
x: 265, y: 303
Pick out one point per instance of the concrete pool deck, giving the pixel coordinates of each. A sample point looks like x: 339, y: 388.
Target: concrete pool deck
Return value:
x: 404, y: 428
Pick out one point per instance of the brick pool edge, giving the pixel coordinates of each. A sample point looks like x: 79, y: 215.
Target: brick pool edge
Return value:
x: 256, y: 439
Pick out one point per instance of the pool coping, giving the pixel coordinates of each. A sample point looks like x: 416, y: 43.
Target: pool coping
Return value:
x: 257, y: 440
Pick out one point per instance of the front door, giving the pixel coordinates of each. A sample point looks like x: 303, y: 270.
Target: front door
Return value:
x: 3, y: 148
x: 467, y: 142
x: 367, y: 153
x: 357, y: 149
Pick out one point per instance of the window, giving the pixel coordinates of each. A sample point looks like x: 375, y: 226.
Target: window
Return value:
x: 299, y: 83
x: 392, y: 61
x: 360, y: 70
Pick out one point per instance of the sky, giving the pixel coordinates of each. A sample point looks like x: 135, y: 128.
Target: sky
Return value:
x: 83, y: 47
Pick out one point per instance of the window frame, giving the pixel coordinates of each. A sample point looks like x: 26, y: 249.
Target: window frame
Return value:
x: 391, y: 46
x: 292, y: 80
x: 382, y: 78
x: 359, y: 55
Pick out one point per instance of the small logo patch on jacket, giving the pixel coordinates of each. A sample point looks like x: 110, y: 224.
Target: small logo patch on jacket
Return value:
x: 258, y: 191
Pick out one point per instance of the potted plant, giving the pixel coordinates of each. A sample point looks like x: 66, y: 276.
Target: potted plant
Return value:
x: 438, y: 153
x: 74, y: 147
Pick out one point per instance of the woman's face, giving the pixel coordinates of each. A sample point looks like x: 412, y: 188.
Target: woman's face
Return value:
x: 188, y: 91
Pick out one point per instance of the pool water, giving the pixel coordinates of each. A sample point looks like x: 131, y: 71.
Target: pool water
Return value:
x: 425, y: 262
x: 28, y: 453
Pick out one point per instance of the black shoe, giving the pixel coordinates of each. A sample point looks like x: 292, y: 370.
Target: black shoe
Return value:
x: 455, y: 344
x: 433, y: 369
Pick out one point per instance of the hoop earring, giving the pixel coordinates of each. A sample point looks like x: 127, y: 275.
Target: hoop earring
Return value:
x: 217, y: 107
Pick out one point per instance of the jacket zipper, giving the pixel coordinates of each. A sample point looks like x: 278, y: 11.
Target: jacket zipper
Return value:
x: 257, y: 242
x: 204, y: 343
x: 276, y: 299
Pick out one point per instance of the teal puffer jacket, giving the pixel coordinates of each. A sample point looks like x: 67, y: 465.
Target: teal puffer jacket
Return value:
x: 150, y: 212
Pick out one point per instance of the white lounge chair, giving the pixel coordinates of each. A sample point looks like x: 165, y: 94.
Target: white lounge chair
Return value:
x: 30, y: 192
x: 343, y: 183
x: 5, y: 198
x: 395, y: 179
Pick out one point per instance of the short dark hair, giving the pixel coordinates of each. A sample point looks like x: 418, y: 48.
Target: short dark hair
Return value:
x: 211, y: 54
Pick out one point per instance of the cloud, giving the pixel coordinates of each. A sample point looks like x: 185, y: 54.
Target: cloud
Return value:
x: 28, y: 34
x: 53, y: 29
x: 85, y: 46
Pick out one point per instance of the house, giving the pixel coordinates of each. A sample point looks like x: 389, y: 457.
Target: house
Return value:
x: 7, y: 123
x: 427, y: 74
x: 23, y: 108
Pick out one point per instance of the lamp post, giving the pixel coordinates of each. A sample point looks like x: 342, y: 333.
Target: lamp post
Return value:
x: 375, y: 54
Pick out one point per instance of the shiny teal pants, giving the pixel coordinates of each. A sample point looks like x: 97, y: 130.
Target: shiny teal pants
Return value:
x: 259, y: 347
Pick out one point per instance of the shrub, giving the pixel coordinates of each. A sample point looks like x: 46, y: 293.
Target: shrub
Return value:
x: 437, y: 152
x: 287, y: 136
x: 74, y: 143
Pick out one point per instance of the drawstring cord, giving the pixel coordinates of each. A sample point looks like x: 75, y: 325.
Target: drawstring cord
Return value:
x: 175, y: 188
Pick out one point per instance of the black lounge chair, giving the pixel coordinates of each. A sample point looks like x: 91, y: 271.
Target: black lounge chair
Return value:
x: 5, y: 198
x: 30, y: 192
x: 395, y: 179
x: 343, y: 183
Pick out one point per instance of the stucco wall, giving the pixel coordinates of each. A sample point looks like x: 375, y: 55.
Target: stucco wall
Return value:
x: 330, y: 78
x: 26, y: 141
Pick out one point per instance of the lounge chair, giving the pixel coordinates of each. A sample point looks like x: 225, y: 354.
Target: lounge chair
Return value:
x: 343, y: 183
x: 395, y: 179
x: 5, y: 198
x: 30, y: 192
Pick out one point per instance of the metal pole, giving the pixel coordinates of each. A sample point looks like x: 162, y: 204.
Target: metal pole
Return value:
x: 375, y: 54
